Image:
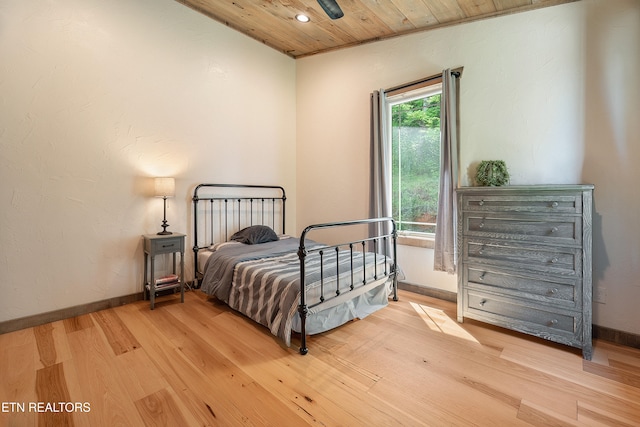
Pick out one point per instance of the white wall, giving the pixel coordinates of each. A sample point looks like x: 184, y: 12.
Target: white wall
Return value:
x: 611, y: 153
x: 98, y: 96
x: 553, y: 92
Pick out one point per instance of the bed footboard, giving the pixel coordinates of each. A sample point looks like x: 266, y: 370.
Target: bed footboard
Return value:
x: 382, y: 246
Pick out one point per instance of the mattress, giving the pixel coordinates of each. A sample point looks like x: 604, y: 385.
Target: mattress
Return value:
x: 263, y: 282
x: 204, y: 254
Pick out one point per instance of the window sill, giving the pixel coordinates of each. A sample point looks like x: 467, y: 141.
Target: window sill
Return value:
x: 417, y: 241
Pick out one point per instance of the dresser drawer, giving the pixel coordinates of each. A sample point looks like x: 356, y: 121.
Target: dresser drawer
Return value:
x: 565, y: 261
x: 554, y: 230
x: 514, y: 314
x: 164, y: 245
x: 542, y: 203
x: 552, y: 290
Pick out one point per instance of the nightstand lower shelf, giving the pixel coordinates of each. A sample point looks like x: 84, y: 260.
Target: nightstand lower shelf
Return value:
x: 161, y: 290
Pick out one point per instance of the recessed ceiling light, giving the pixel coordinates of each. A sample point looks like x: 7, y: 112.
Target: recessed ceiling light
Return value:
x: 302, y: 18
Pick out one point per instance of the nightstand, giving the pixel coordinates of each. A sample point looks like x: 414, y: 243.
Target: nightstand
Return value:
x: 155, y: 244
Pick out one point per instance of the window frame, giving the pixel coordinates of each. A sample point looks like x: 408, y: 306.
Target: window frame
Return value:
x: 403, y: 94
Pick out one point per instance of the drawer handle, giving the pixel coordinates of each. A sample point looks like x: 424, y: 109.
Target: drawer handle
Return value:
x: 481, y: 278
x: 553, y: 322
x: 481, y: 251
x: 554, y: 204
x: 481, y: 225
x: 553, y: 291
x: 554, y: 230
x: 169, y: 246
x: 481, y: 203
x: 482, y: 303
x: 554, y: 260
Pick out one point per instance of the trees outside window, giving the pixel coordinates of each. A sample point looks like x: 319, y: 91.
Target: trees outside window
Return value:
x: 415, y: 136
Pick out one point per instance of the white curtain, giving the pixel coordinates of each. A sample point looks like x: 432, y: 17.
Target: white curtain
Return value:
x: 445, y: 242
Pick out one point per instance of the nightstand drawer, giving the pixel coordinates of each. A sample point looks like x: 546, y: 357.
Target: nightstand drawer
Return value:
x: 164, y: 245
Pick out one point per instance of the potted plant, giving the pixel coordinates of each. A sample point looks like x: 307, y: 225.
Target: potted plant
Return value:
x: 492, y: 173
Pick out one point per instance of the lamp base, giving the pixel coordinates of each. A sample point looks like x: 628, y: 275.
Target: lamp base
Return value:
x: 165, y: 224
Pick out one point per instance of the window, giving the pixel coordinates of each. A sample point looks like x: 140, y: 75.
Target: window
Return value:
x: 414, y: 125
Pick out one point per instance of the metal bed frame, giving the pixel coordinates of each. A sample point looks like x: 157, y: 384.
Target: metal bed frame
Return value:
x: 226, y: 205
x: 225, y: 214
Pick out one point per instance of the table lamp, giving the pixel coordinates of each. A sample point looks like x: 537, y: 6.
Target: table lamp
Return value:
x: 165, y: 187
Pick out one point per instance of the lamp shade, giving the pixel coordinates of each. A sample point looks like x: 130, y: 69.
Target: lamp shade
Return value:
x: 165, y: 187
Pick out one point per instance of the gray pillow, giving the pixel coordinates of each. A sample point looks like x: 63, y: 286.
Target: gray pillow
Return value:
x: 255, y: 234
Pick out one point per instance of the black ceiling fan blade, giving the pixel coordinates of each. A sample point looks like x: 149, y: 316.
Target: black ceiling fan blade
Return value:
x: 331, y: 8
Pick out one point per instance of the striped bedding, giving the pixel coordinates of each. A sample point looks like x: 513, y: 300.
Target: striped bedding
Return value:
x: 263, y: 281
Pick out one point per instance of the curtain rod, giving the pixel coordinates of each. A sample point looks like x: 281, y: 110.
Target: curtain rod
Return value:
x: 423, y: 82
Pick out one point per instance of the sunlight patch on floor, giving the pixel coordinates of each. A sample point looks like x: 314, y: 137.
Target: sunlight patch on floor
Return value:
x: 437, y: 320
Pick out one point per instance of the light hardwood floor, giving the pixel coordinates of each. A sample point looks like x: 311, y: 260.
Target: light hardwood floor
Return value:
x: 411, y: 364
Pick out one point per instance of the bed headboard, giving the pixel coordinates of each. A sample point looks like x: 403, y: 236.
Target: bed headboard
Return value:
x: 219, y: 210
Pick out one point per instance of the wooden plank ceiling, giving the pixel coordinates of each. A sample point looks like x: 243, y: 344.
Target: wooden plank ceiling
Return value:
x: 273, y: 21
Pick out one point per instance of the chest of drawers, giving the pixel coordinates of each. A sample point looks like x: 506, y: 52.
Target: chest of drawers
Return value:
x: 524, y: 260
